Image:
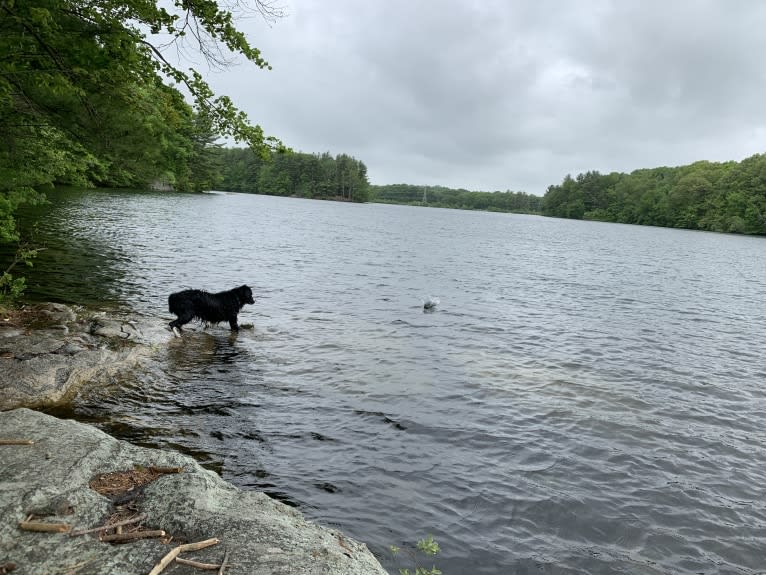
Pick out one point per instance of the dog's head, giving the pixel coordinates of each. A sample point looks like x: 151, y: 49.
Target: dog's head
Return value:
x: 245, y: 294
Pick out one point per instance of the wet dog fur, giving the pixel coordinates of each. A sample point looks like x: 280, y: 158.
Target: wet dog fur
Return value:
x: 208, y: 307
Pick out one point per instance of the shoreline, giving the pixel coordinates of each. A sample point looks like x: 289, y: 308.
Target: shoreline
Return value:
x: 47, y: 354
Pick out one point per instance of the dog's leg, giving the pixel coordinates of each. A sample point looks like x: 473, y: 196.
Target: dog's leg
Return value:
x: 184, y: 317
x: 233, y: 323
x: 175, y: 327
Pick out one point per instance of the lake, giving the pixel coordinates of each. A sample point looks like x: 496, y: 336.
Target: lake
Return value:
x: 586, y: 398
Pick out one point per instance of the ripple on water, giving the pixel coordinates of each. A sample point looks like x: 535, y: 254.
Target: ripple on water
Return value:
x: 587, y: 398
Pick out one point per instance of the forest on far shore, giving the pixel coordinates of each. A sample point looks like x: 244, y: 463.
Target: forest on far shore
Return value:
x: 295, y: 174
x: 715, y: 196
x: 443, y: 197
x: 343, y: 177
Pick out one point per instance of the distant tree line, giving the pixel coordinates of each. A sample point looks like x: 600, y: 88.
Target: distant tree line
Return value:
x: 319, y: 176
x: 720, y: 197
x: 442, y: 197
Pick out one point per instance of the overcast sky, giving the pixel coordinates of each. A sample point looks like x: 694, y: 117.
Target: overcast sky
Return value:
x: 497, y: 95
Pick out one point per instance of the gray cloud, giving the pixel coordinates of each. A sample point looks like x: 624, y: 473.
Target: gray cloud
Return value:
x: 509, y: 95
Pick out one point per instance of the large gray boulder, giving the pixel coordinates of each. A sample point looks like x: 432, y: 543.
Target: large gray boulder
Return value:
x: 51, y: 480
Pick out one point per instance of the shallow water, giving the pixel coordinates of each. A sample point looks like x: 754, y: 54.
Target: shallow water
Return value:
x: 587, y: 397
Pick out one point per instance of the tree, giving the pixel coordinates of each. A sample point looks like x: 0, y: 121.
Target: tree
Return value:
x: 87, y: 95
x: 686, y: 200
x: 440, y: 196
x: 724, y: 197
x: 298, y: 174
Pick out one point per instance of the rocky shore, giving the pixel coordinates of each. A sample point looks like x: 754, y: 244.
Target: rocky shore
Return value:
x: 48, y: 352
x: 74, y: 477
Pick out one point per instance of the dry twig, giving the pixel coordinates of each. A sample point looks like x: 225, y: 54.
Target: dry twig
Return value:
x: 136, y: 519
x: 199, y: 545
x: 44, y: 527
x: 17, y: 442
x: 119, y: 537
x: 224, y: 563
x: 166, y: 470
x: 167, y: 559
x: 197, y: 564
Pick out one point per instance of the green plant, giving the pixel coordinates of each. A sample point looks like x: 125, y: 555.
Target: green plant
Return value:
x: 427, y: 546
x: 11, y: 287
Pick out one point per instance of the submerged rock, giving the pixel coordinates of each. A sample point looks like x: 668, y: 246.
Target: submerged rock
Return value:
x: 51, y: 479
x: 45, y: 358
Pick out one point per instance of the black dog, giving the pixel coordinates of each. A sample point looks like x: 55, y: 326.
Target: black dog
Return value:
x: 209, y: 307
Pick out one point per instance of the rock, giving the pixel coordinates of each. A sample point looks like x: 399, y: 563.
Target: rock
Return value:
x: 114, y: 329
x: 71, y: 348
x: 58, y: 313
x: 51, y: 378
x: 10, y: 331
x: 49, y: 361
x: 36, y: 343
x: 263, y: 536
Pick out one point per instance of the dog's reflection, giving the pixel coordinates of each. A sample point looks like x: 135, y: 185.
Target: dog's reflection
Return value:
x: 204, y: 353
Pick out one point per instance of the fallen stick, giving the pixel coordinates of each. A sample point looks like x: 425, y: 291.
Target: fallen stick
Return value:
x: 16, y: 442
x: 117, y: 537
x: 166, y: 469
x: 225, y: 561
x: 136, y: 519
x: 44, y: 527
x: 167, y: 559
x: 197, y: 564
x: 198, y: 545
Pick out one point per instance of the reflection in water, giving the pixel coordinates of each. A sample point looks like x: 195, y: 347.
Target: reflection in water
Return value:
x: 576, y: 403
x: 201, y: 353
x: 74, y: 264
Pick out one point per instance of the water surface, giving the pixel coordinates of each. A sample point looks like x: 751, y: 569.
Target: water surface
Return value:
x: 587, y: 397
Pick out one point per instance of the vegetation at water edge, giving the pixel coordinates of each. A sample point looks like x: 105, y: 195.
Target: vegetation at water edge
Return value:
x: 426, y: 546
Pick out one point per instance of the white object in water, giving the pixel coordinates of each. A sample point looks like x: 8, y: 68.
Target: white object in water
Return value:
x: 430, y: 303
